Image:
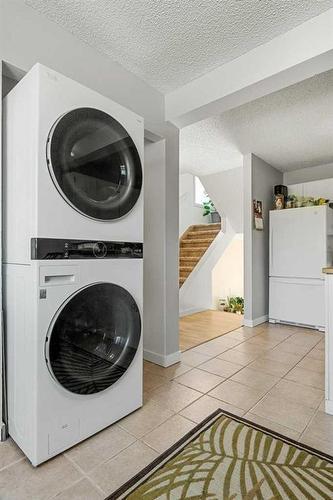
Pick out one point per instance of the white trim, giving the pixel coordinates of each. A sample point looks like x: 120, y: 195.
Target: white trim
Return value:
x: 162, y: 359
x: 329, y: 406
x: 255, y: 322
x: 192, y: 310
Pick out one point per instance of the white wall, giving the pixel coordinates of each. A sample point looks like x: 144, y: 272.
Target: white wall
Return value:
x: 259, y: 179
x: 308, y: 174
x: 196, y: 293
x: 189, y: 213
x: 226, y: 190
x: 228, y: 274
x: 314, y: 181
x: 317, y: 189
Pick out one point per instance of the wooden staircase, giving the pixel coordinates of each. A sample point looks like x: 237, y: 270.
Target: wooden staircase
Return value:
x: 193, y: 244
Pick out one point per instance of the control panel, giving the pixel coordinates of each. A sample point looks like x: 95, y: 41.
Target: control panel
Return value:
x: 53, y: 249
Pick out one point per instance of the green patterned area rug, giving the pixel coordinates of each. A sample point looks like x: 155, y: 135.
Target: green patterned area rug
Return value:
x: 229, y: 458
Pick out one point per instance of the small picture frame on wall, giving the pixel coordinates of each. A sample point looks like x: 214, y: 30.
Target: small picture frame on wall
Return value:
x: 258, y: 215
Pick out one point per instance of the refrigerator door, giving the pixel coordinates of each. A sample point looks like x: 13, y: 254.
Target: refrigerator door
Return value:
x: 297, y: 301
x: 298, y: 242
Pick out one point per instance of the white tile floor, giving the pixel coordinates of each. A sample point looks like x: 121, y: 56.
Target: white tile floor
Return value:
x: 272, y: 375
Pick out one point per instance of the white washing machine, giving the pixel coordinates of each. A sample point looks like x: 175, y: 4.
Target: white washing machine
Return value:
x: 74, y: 342
x: 73, y: 165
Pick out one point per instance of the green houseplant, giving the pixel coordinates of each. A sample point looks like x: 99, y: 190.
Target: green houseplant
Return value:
x: 235, y: 305
x: 209, y: 209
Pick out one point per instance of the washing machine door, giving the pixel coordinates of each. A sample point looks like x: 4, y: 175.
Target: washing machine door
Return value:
x: 93, y: 338
x: 94, y: 164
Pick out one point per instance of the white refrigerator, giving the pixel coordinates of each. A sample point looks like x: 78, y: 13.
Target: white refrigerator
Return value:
x: 300, y: 245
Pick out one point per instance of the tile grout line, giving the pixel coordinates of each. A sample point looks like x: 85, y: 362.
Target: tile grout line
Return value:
x: 22, y: 459
x: 85, y: 474
x: 243, y: 366
x: 230, y: 376
x: 246, y: 366
x: 281, y: 378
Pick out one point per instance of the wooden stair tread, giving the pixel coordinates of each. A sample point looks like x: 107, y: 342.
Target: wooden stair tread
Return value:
x: 195, y: 249
x: 193, y: 245
x: 203, y: 227
x: 199, y: 240
x: 192, y: 234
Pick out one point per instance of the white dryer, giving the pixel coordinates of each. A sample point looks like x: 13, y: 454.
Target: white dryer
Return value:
x: 73, y: 164
x: 74, y: 342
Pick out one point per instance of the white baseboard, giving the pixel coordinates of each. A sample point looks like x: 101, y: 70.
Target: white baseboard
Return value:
x: 162, y: 359
x: 255, y: 322
x: 192, y: 310
x: 329, y: 406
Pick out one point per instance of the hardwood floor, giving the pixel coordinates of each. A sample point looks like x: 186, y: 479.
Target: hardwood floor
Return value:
x: 206, y: 325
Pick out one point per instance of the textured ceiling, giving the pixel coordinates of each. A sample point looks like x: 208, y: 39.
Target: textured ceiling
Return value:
x: 290, y: 129
x: 171, y: 42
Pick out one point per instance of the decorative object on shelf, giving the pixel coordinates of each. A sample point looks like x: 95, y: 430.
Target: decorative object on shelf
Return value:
x: 291, y: 201
x: 209, y: 209
x: 294, y: 201
x: 235, y: 305
x: 321, y: 201
x: 221, y: 304
x: 258, y: 215
x: 279, y: 202
x: 281, y: 189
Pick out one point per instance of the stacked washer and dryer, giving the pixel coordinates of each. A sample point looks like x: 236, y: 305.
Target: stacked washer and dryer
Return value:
x: 73, y: 269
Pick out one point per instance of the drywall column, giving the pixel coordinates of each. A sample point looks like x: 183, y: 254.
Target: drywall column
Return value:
x: 161, y: 337
x: 259, y: 179
x: 2, y: 424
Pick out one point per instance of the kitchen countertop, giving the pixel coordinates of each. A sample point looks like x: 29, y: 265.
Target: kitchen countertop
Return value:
x: 328, y: 270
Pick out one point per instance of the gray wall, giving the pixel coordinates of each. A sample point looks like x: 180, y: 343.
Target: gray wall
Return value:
x: 7, y: 85
x: 161, y: 251
x: 259, y: 179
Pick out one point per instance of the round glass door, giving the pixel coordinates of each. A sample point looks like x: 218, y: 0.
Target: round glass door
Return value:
x: 94, y: 338
x: 94, y: 164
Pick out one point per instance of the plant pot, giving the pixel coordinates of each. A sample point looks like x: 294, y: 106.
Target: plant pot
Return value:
x: 215, y: 217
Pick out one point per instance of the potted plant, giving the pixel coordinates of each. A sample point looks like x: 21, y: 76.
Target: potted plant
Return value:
x: 209, y: 209
x: 235, y: 305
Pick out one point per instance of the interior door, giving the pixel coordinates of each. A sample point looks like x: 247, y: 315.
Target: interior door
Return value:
x: 94, y: 338
x: 94, y: 164
x: 298, y: 242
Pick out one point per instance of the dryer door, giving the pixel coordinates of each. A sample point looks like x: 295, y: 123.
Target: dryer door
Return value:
x: 94, y: 164
x: 93, y: 338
